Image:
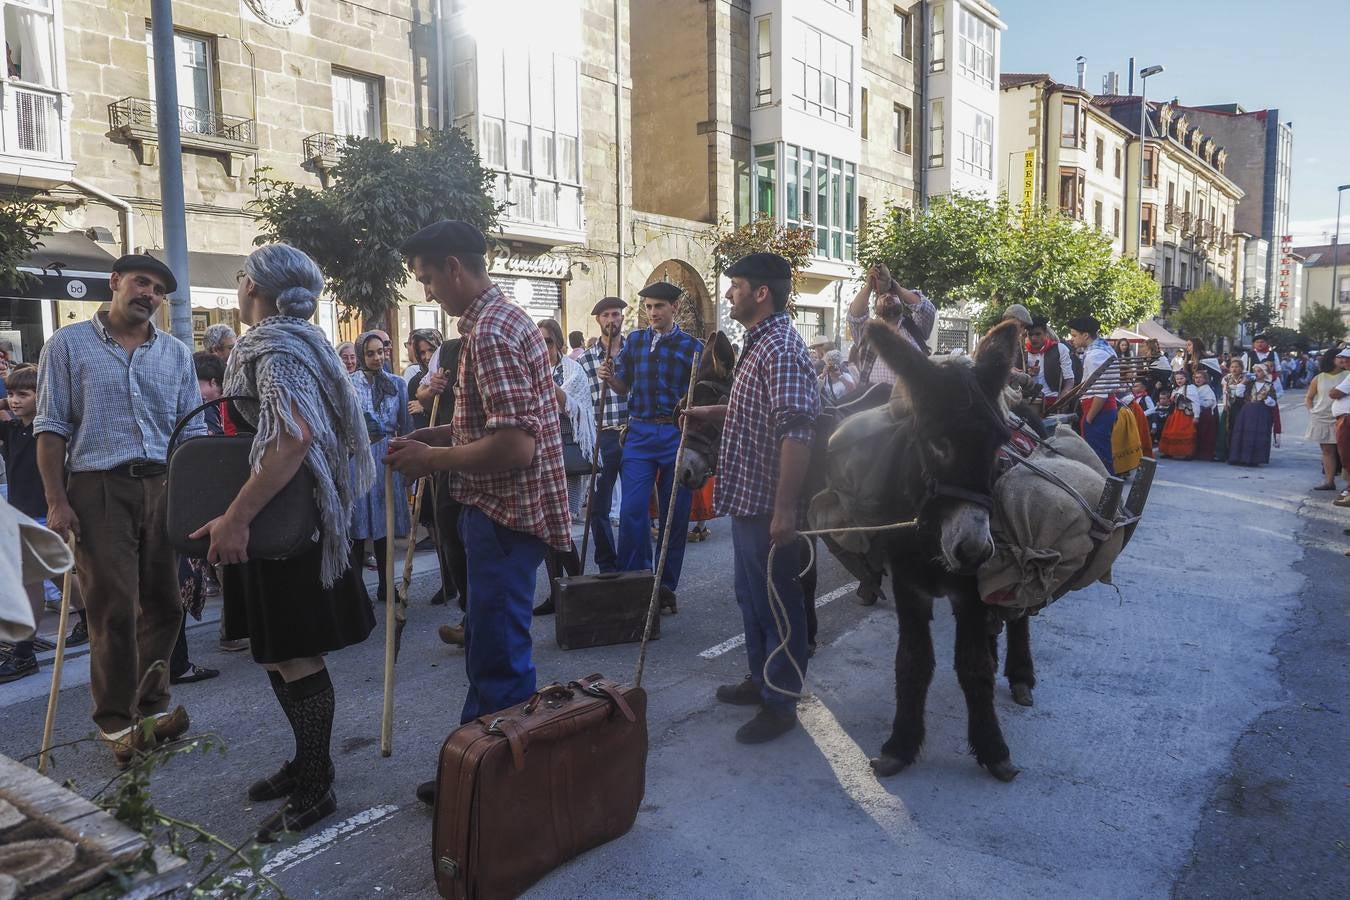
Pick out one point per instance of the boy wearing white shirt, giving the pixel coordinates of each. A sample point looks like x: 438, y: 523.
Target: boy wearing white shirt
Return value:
x: 1340, y: 408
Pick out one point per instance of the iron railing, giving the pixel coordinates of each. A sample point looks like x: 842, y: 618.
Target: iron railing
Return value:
x: 135, y: 112
x: 323, y: 146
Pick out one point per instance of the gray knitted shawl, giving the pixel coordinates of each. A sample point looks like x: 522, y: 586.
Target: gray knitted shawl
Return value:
x: 286, y: 364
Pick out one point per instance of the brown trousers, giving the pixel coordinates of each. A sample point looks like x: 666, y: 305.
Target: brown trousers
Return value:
x: 129, y: 576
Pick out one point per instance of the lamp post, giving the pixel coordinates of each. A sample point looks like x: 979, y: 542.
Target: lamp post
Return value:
x: 1336, y: 245
x: 1144, y: 75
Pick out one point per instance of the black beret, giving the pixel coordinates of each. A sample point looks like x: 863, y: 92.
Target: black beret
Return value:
x: 140, y: 262
x: 1085, y: 324
x: 1040, y: 322
x: 607, y: 303
x: 760, y: 267
x: 662, y: 290
x: 445, y: 238
x: 1263, y: 336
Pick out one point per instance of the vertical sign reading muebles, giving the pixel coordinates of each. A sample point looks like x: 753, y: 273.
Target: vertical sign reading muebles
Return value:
x: 1028, y: 178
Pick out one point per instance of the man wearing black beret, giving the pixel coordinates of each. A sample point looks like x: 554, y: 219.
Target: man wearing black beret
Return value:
x: 652, y: 371
x: 612, y: 415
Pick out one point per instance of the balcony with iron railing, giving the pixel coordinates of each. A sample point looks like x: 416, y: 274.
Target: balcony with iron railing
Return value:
x: 133, y: 121
x: 322, y: 151
x: 34, y: 135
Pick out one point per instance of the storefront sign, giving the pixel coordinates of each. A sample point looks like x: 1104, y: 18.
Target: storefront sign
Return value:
x: 546, y: 265
x: 214, y: 298
x: 1029, y: 178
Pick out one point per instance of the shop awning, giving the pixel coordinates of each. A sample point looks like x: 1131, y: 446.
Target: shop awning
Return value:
x: 1166, y: 339
x: 1125, y: 334
x: 66, y: 266
x: 214, y: 285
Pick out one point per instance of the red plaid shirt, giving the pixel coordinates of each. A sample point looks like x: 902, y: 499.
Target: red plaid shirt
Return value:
x: 505, y: 381
x: 773, y: 396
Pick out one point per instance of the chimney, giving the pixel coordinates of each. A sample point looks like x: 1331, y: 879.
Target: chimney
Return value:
x: 1111, y: 83
x: 1082, y: 73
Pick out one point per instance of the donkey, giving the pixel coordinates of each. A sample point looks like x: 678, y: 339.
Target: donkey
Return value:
x: 942, y: 475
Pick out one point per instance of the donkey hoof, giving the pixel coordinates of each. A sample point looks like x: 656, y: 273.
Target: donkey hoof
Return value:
x: 1021, y: 694
x: 884, y: 766
x: 1004, y: 771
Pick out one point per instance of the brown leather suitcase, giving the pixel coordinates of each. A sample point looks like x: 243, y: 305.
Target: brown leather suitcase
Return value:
x: 595, y: 610
x: 520, y: 792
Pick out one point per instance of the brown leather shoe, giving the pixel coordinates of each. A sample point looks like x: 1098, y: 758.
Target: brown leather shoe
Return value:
x: 126, y: 746
x: 171, y: 725
x: 452, y: 634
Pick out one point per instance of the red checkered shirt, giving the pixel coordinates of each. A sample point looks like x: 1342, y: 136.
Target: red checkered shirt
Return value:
x: 773, y: 396
x: 505, y: 381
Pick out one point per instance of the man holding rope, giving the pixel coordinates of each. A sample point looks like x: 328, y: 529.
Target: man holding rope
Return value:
x: 503, y: 450
x: 766, y: 446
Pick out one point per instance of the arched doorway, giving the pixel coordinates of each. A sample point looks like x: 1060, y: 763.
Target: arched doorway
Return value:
x: 697, y: 313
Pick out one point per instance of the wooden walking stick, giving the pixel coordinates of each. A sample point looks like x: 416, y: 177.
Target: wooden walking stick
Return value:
x: 417, y: 506
x: 57, y: 662
x: 387, y: 723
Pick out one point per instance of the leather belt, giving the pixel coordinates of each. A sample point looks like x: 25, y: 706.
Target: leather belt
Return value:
x: 141, y: 468
x: 656, y: 420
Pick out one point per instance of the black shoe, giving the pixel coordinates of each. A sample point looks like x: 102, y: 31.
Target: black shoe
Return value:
x: 275, y: 786
x: 424, y: 544
x: 766, y: 725
x: 545, y: 608
x: 13, y: 668
x: 438, y: 598
x: 78, y: 635
x: 288, y: 818
x: 426, y: 792
x: 742, y: 693
x: 193, y: 673
x: 668, y: 601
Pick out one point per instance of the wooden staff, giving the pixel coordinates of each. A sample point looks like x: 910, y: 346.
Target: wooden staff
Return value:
x: 387, y: 724
x: 57, y: 662
x: 595, y: 461
x: 417, y: 505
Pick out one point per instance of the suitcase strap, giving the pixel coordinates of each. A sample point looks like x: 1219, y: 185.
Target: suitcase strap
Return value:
x: 518, y: 739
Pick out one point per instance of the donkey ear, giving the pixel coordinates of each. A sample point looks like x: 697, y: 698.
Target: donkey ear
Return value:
x: 995, y: 356
x: 909, y: 365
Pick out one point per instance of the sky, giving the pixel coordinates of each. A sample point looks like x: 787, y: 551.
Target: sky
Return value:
x: 1293, y: 56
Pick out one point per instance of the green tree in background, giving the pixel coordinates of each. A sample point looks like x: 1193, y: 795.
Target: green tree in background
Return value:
x: 1282, y: 338
x: 763, y: 235
x: 1257, y: 313
x: 1209, y: 313
x: 381, y: 192
x: 23, y: 221
x: 944, y: 251
x: 1322, y: 326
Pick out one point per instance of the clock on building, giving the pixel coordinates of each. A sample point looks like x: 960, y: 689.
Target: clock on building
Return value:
x: 281, y: 13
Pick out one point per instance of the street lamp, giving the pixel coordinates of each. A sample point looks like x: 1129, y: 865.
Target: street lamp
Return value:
x: 1335, y: 244
x: 1144, y: 74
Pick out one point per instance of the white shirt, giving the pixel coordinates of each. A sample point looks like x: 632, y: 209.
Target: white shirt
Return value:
x: 1096, y: 355
x: 1065, y: 368
x: 1341, y: 407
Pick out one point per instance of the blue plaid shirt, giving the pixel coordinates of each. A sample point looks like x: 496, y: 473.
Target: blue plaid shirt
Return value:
x: 657, y: 377
x: 113, y: 408
x: 773, y: 397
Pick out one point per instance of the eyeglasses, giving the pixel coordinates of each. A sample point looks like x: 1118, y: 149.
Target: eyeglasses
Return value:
x: 240, y: 276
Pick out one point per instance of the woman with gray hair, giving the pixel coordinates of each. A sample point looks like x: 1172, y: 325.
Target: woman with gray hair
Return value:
x: 305, y: 412
x: 219, y: 340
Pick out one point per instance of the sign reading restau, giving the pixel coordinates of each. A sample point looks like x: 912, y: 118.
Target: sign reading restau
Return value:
x: 1029, y: 178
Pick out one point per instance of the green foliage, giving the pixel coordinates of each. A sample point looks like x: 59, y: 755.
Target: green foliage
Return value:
x: 22, y: 224
x: 381, y: 192
x: 1208, y: 312
x: 1282, y: 338
x: 965, y: 249
x: 1258, y: 314
x: 763, y: 235
x: 1322, y: 326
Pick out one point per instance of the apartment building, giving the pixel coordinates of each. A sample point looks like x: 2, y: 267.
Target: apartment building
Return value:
x: 1323, y: 278
x: 1061, y: 150
x: 962, y: 96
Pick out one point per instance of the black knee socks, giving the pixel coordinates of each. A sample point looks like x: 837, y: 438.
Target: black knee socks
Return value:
x: 279, y: 688
x: 309, y: 705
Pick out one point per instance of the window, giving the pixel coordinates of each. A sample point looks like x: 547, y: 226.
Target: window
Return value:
x: 937, y: 127
x: 1171, y: 193
x: 356, y: 105
x: 764, y: 61
x: 1097, y: 214
x: 766, y: 180
x: 1118, y: 162
x: 529, y: 133
x: 976, y: 48
x: 902, y: 34
x: 902, y: 129
x: 1150, y: 167
x: 975, y: 153
x: 823, y: 76
x: 1344, y: 293
x: 938, y: 38
x: 1150, y: 234
x: 1072, y: 183
x: 1167, y: 270
x: 1115, y: 221
x: 820, y: 195
x: 1100, y: 156
x: 1068, y: 123
x: 192, y: 63
x: 862, y: 114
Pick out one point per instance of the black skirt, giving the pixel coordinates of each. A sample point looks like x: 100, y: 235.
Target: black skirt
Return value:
x: 284, y: 611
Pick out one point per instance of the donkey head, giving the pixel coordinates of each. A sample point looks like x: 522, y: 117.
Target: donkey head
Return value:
x: 958, y: 425
x: 713, y: 386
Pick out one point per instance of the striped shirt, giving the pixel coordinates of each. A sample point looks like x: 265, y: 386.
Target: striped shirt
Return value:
x: 615, y: 413
x: 114, y: 407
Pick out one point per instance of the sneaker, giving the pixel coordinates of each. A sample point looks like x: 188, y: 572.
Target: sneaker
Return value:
x: 742, y: 693
x: 767, y: 724
x: 13, y: 668
x: 78, y: 635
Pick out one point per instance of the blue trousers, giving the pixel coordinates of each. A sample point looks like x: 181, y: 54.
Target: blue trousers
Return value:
x: 1098, y: 435
x: 502, y: 565
x: 750, y: 544
x: 649, y: 458
x: 602, y: 535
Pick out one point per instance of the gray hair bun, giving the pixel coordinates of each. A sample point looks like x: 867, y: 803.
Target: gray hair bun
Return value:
x: 297, y: 301
x: 288, y: 275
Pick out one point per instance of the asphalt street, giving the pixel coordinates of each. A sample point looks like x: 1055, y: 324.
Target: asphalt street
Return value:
x: 1189, y: 735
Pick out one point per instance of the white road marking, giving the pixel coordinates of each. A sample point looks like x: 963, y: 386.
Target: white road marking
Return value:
x: 312, y: 846
x: 738, y: 640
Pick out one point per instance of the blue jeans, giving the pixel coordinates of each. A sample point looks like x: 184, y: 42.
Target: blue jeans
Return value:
x: 611, y: 457
x: 649, y: 458
x: 502, y: 565
x: 750, y: 544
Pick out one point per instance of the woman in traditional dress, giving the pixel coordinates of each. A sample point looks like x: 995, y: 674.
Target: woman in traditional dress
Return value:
x: 293, y: 611
x: 1232, y: 391
x: 1178, y: 434
x: 1253, y: 425
x: 1206, y: 419
x: 384, y: 403
x: 1321, y: 421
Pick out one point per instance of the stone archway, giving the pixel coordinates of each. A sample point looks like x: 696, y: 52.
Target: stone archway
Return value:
x: 697, y: 313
